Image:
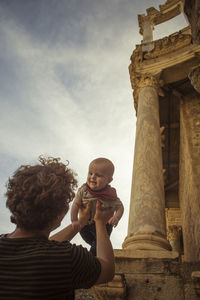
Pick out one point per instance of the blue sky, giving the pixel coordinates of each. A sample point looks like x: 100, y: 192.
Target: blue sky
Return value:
x: 65, y: 88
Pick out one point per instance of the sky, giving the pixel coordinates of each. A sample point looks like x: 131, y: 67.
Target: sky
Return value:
x: 65, y: 89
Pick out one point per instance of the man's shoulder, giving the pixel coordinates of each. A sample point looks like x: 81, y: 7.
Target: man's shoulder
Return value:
x: 34, y: 243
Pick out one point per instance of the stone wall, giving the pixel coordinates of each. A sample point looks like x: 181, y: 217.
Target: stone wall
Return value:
x: 191, y: 9
x: 174, y: 229
x: 189, y: 188
x: 173, y: 216
x: 149, y: 279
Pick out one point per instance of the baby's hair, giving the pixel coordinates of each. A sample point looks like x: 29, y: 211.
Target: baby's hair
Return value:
x: 108, y: 165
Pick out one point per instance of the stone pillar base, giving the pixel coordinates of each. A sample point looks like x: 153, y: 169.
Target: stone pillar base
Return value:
x: 146, y: 242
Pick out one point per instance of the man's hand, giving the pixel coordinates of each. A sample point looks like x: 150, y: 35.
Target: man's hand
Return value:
x: 76, y: 225
x: 104, y: 247
x: 84, y: 214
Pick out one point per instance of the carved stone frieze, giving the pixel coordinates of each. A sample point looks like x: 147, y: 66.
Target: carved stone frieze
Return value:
x: 194, y: 77
x: 161, y: 47
x: 137, y: 56
x: 168, y: 45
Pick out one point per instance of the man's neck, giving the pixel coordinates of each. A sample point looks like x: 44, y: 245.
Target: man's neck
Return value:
x: 23, y: 233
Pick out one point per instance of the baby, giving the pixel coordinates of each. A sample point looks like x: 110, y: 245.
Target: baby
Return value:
x: 97, y: 188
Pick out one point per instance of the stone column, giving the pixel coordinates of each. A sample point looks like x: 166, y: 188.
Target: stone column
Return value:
x: 147, y: 42
x: 147, y: 225
x: 192, y: 12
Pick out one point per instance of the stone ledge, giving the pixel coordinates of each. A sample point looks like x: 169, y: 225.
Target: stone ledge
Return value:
x: 161, y: 254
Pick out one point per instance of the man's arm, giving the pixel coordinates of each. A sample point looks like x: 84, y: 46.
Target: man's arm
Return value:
x: 74, y: 215
x: 67, y: 233
x: 104, y: 247
x: 74, y: 211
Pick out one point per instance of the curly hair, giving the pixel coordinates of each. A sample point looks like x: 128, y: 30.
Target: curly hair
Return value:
x: 37, y: 194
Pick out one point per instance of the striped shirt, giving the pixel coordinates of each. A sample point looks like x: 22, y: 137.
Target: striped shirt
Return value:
x: 38, y: 268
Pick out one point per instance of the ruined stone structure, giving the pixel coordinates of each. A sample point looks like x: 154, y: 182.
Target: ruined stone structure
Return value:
x: 192, y: 12
x: 160, y: 257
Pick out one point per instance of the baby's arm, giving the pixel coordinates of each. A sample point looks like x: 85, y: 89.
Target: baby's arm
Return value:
x: 117, y: 216
x: 74, y: 215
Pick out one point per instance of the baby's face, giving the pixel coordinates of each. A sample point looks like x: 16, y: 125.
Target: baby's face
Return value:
x: 97, y: 178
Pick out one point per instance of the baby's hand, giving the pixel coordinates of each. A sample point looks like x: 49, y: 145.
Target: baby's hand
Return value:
x: 76, y: 225
x: 102, y: 215
x: 113, y: 221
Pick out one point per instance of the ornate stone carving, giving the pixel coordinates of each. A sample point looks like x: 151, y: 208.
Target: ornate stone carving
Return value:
x: 168, y: 45
x: 139, y: 70
x: 139, y: 81
x: 137, y: 56
x: 192, y: 11
x: 194, y: 77
x: 169, y: 10
x: 173, y: 235
x: 114, y: 290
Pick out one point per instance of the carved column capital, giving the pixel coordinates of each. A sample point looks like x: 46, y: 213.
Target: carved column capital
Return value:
x: 194, y: 77
x: 173, y: 235
x: 173, y: 232
x: 140, y: 81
